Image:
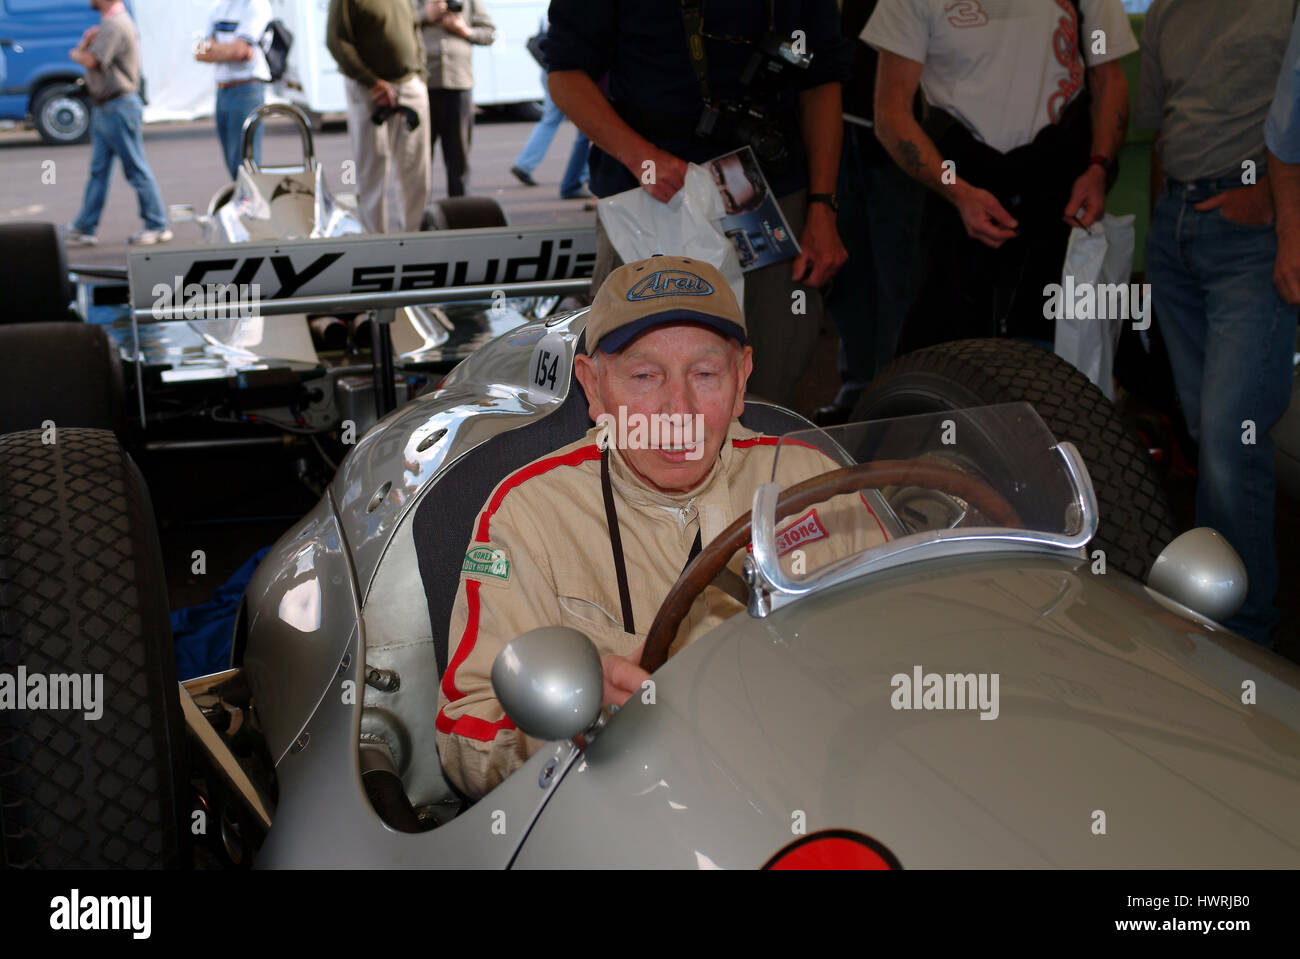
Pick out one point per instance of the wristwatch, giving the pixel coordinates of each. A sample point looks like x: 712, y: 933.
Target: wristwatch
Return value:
x: 1105, y: 163
x: 827, y: 198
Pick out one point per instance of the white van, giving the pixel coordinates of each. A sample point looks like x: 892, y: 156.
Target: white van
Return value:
x: 504, y: 73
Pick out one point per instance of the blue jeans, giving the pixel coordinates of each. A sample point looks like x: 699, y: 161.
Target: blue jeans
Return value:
x: 115, y: 131
x: 539, y: 141
x: 879, y: 224
x: 1230, y: 338
x: 234, y: 104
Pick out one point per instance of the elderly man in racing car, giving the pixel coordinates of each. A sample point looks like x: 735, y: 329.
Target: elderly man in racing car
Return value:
x: 594, y: 535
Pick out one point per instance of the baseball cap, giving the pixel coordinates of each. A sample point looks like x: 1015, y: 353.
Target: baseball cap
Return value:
x: 661, y: 289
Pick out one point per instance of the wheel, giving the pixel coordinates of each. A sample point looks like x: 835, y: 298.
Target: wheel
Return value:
x: 82, y: 593
x: 34, y: 285
x: 1135, y: 517
x: 463, y: 213
x: 61, y: 114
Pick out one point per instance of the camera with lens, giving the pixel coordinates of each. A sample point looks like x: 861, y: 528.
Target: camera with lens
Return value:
x: 455, y: 6
x: 772, y: 57
x: 746, y: 120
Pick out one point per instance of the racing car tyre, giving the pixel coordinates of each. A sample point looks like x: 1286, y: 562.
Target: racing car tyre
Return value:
x: 463, y: 213
x: 34, y: 284
x: 61, y: 114
x: 82, y: 593
x: 1135, y: 516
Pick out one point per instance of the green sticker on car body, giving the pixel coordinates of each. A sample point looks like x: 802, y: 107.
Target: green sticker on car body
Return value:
x: 487, y: 561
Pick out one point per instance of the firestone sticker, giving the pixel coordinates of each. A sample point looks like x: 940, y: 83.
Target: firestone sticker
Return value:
x: 806, y: 529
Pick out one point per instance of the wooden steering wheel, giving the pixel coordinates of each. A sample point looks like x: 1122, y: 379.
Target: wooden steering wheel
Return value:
x: 700, y: 572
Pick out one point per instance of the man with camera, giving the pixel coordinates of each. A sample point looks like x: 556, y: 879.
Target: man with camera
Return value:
x: 688, y: 82
x: 377, y: 46
x: 451, y: 29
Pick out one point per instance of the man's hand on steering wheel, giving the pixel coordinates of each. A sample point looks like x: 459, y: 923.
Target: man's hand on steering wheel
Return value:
x: 623, y: 676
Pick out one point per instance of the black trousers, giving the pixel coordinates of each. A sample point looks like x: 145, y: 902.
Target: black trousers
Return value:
x: 970, y: 290
x: 451, y: 120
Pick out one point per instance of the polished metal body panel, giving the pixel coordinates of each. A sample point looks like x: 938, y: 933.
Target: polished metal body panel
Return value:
x: 484, y: 396
x: 324, y: 821
x: 303, y: 613
x: 1107, y: 703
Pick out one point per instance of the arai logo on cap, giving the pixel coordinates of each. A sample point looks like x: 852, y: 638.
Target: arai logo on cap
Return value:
x: 669, y: 283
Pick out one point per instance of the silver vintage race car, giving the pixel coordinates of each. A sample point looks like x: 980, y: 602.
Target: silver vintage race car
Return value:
x: 991, y: 686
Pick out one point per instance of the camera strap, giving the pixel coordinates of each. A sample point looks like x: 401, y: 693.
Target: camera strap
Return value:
x: 693, y: 23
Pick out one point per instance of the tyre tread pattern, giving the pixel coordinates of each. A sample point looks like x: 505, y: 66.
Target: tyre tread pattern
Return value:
x: 79, y: 593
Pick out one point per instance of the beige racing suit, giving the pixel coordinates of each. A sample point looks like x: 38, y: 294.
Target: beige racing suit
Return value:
x: 540, y: 555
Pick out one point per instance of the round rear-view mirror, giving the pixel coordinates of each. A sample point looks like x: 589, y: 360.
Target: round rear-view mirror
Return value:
x: 550, y: 683
x: 1201, y: 570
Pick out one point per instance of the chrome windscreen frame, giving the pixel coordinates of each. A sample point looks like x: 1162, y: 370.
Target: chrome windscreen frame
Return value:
x: 771, y: 587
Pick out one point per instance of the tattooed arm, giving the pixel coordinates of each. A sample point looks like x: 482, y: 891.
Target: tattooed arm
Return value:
x: 897, y: 79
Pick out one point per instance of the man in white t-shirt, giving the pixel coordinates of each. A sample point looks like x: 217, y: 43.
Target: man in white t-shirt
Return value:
x: 232, y: 42
x: 1029, y: 119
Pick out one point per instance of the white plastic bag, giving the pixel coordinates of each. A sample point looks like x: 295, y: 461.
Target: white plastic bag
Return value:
x: 1098, y: 257
x: 639, y: 226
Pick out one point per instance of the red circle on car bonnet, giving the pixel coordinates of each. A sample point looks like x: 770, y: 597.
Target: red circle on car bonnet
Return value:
x: 834, y: 849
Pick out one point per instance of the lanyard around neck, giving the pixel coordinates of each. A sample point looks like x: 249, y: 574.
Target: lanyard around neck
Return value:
x: 616, y: 544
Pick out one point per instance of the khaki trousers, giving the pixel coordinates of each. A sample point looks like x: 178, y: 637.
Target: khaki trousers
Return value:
x: 376, y: 149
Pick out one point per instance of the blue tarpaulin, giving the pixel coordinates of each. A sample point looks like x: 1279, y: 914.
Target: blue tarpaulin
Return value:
x: 202, y: 633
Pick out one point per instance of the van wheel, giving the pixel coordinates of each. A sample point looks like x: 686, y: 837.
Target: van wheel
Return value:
x: 82, y: 593
x: 61, y: 114
x: 1136, y: 521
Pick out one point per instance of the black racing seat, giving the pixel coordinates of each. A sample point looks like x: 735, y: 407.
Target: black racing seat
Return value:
x: 66, y: 373
x: 444, y: 520
x: 61, y: 370
x: 34, y: 284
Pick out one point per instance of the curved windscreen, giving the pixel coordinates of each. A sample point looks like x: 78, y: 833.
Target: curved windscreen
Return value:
x: 981, y: 475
